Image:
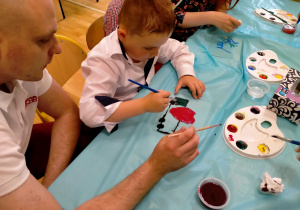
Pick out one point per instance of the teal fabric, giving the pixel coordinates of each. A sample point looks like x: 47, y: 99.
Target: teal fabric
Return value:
x: 112, y: 157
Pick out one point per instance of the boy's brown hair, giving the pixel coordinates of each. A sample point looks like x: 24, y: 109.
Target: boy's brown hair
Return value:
x: 147, y: 16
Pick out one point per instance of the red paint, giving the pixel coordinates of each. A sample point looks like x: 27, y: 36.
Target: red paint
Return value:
x: 263, y: 76
x: 232, y: 128
x: 213, y: 194
x: 289, y: 29
x: 183, y: 114
x: 230, y: 138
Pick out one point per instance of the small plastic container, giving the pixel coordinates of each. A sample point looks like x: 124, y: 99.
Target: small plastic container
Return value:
x: 213, y: 193
x: 257, y: 88
x: 288, y: 28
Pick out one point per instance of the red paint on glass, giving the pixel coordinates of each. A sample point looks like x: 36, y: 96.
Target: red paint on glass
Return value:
x: 183, y: 114
x: 232, y: 128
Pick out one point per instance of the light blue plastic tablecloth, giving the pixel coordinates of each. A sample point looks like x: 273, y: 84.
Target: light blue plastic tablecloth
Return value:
x: 111, y: 157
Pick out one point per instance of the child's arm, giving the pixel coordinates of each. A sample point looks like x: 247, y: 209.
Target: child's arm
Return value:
x: 153, y: 102
x: 195, y: 85
x: 183, y: 61
x: 219, y: 19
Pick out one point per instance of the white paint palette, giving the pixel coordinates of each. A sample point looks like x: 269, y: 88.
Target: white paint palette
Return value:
x: 266, y: 66
x: 248, y: 132
x: 288, y: 17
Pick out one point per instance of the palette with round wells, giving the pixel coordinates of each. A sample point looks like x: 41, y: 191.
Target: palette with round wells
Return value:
x: 266, y: 66
x: 288, y: 17
x: 248, y: 132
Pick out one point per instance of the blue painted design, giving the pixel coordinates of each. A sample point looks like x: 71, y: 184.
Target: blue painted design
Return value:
x: 231, y: 42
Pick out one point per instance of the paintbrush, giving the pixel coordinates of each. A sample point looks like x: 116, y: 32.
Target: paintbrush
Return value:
x: 151, y: 89
x: 285, y: 139
x: 272, y: 13
x: 199, y: 129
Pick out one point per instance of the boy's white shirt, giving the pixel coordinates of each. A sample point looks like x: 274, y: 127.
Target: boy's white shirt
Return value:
x: 106, y: 72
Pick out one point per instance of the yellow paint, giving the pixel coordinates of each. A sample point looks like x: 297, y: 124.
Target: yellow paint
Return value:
x: 263, y: 148
x: 278, y: 76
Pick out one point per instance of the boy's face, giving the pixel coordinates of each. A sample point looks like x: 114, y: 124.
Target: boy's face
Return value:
x: 141, y: 48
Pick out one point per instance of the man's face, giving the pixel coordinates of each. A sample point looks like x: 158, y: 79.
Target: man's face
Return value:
x: 27, y: 51
x: 141, y: 48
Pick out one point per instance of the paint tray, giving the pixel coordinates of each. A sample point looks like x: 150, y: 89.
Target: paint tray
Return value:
x: 265, y: 65
x: 248, y: 132
x: 286, y: 100
x: 288, y: 17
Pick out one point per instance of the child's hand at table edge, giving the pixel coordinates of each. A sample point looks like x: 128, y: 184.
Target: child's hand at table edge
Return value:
x: 171, y: 154
x: 156, y: 102
x: 195, y: 85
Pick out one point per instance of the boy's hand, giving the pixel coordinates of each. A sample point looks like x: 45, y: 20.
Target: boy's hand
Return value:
x: 196, y: 86
x: 156, y: 102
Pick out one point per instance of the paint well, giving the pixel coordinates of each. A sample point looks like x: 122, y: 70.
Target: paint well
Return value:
x: 241, y: 144
x: 232, y: 128
x: 239, y: 116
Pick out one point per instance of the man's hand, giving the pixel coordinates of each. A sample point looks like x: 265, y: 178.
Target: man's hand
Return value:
x: 173, y: 153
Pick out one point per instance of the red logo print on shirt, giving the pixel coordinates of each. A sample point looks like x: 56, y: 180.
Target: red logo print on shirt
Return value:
x: 30, y: 100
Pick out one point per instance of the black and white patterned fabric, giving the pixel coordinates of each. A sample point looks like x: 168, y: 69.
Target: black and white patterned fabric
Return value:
x: 283, y: 105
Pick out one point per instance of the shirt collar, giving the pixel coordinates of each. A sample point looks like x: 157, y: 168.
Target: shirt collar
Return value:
x: 6, y: 98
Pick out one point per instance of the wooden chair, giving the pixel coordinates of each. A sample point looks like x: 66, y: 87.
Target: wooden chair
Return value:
x: 95, y: 33
x: 65, y: 69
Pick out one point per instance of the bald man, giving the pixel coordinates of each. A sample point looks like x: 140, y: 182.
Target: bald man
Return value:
x: 27, y: 45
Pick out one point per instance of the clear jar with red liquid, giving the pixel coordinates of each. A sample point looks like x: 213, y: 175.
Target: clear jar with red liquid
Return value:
x: 288, y: 28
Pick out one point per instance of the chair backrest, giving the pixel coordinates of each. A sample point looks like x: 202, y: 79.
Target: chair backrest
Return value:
x: 66, y: 64
x: 95, y: 33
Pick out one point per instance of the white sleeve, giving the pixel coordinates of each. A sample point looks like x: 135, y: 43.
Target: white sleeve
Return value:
x: 13, y: 170
x: 100, y: 80
x: 181, y: 58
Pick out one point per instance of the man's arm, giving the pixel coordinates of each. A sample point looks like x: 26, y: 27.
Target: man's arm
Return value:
x: 169, y: 155
x: 30, y: 195
x: 65, y: 132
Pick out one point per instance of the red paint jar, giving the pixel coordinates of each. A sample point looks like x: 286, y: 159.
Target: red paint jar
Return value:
x: 213, y: 193
x: 289, y: 29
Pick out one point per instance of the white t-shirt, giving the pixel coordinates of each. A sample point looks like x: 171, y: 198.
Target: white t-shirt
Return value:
x: 17, y: 111
x: 107, y: 70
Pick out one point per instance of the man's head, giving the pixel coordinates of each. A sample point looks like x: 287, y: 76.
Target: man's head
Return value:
x: 27, y: 40
x: 145, y: 25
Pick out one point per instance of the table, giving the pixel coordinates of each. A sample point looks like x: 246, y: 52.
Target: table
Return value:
x: 111, y: 157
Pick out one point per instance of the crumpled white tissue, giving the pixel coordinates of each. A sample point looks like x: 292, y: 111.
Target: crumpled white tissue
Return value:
x: 271, y: 185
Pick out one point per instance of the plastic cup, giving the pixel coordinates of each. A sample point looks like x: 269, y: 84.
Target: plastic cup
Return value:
x: 213, y: 194
x: 257, y: 88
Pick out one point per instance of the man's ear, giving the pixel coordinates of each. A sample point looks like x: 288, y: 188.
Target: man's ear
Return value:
x: 122, y: 33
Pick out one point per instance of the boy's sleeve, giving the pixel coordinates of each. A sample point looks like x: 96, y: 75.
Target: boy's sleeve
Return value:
x: 100, y: 81
x: 181, y: 58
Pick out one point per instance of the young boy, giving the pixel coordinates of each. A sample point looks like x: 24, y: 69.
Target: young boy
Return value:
x: 130, y: 52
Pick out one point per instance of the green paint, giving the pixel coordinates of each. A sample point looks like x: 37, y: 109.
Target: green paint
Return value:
x: 181, y: 101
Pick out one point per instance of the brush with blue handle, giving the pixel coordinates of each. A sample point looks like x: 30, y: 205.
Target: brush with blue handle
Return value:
x: 153, y: 90
x: 285, y: 139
